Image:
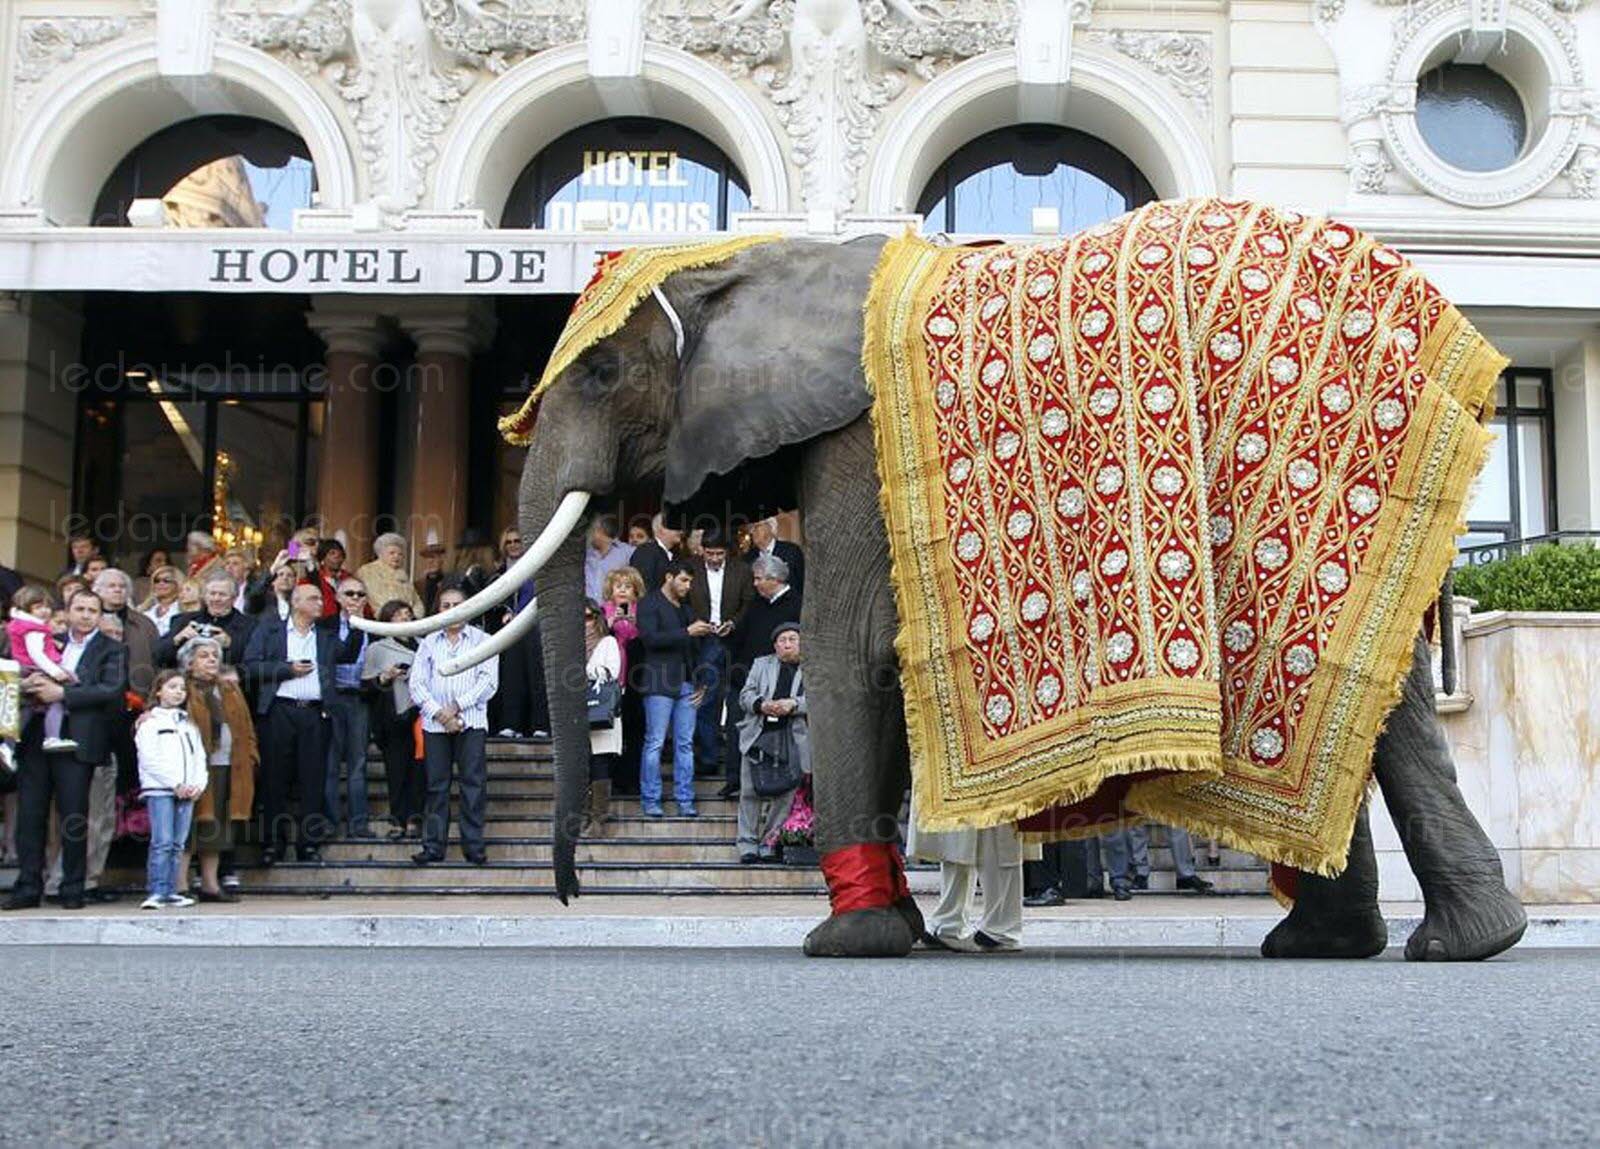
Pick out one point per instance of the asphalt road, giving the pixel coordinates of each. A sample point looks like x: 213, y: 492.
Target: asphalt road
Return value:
x: 430, y: 1047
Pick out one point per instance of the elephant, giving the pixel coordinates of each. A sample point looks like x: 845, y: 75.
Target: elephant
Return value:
x: 740, y: 388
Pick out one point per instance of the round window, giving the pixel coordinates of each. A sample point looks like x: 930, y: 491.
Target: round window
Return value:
x: 1471, y: 117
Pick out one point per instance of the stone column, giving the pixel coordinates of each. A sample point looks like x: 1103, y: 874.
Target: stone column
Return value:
x: 40, y: 380
x: 446, y: 332
x: 347, y: 484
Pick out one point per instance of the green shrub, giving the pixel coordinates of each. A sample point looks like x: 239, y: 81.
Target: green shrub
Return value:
x: 1550, y: 577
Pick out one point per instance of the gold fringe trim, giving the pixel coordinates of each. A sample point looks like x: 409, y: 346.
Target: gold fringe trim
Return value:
x: 606, y: 304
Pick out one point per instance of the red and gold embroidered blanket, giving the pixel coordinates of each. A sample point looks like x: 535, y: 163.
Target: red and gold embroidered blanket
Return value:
x: 1166, y: 503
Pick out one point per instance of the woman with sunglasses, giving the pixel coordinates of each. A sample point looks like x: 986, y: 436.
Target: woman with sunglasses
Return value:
x: 161, y: 607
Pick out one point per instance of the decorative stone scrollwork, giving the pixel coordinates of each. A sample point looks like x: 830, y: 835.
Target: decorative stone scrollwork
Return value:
x: 399, y: 81
x: 1583, y: 173
x: 1369, y: 167
x: 46, y: 43
x: 1183, y: 59
x: 830, y: 66
x: 495, y: 35
x: 932, y: 33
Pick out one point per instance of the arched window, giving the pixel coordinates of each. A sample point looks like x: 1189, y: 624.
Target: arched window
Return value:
x: 1471, y: 117
x: 215, y: 171
x: 991, y: 185
x: 628, y: 175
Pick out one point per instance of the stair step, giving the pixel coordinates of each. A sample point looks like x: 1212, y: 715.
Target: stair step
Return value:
x: 634, y: 851
x: 501, y: 782
x: 717, y: 827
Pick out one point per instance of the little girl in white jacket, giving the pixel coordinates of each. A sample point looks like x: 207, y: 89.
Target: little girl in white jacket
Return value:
x: 172, y: 774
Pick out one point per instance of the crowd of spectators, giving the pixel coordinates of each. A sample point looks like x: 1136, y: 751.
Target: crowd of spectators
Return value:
x: 211, y: 692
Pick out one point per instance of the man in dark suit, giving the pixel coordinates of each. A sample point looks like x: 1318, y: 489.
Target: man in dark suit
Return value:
x: 669, y: 633
x: 92, y: 705
x: 764, y: 540
x: 720, y: 594
x: 291, y: 664
x: 227, y: 624
x: 651, y: 559
x: 776, y: 601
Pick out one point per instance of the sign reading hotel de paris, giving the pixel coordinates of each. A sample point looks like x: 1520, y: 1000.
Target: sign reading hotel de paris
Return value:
x: 616, y: 201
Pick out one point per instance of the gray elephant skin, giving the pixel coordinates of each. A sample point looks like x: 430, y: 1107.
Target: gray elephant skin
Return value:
x: 768, y: 408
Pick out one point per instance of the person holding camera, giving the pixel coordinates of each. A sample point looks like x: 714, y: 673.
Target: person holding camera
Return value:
x: 217, y: 619
x: 774, y: 742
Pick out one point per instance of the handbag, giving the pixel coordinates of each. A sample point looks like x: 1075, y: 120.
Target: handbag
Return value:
x: 604, y: 699
x: 774, y: 762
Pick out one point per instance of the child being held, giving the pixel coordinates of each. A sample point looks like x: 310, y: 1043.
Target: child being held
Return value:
x: 35, y: 648
x: 172, y: 774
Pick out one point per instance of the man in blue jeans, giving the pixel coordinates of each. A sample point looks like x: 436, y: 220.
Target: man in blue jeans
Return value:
x: 670, y: 635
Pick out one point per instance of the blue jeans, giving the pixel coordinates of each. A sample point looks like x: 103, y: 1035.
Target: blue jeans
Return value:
x: 660, y: 710
x: 169, y: 831
x: 712, y: 673
x: 348, y: 724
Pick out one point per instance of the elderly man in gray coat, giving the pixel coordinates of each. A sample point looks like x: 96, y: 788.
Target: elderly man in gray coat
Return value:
x: 774, y: 691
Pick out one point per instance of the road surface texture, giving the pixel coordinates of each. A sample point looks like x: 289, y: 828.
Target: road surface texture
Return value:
x: 632, y: 1047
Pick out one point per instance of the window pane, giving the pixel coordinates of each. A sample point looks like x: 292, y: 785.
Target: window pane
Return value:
x: 1471, y: 117
x: 254, y: 485
x: 1531, y: 476
x: 1491, y: 498
x: 163, y: 473
x: 1000, y: 201
x: 634, y: 175
x: 992, y: 184
x: 1530, y: 392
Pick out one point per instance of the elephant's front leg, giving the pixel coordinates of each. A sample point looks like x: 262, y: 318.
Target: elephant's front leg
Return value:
x: 857, y: 723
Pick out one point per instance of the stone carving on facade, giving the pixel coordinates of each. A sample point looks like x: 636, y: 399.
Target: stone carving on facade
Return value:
x: 1583, y: 173
x: 1369, y: 168
x: 933, y: 33
x: 830, y: 66
x: 1183, y: 59
x: 400, y: 82
x: 45, y: 43
x: 496, y: 35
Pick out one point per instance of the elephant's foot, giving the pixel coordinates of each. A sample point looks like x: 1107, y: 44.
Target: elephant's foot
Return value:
x: 1468, y: 924
x: 912, y: 913
x: 1353, y: 934
x: 1335, y: 917
x: 884, y: 931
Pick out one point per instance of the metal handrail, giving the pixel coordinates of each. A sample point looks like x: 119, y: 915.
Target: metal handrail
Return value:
x: 1493, y: 552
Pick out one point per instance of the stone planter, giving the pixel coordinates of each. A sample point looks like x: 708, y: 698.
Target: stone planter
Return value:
x: 1524, y: 726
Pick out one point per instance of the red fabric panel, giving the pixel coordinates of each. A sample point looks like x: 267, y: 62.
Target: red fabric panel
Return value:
x: 866, y: 876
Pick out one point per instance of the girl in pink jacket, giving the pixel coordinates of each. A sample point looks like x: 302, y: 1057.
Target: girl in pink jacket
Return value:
x: 34, y: 647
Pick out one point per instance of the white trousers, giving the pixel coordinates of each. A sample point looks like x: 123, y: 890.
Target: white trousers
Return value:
x: 1001, y: 919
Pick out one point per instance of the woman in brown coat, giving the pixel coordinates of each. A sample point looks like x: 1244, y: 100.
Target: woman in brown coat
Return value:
x: 218, y: 707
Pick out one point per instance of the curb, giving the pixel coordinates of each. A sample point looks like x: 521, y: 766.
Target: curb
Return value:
x: 1208, y: 933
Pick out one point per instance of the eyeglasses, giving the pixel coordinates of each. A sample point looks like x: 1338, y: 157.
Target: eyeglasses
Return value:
x: 168, y: 579
x: 354, y: 593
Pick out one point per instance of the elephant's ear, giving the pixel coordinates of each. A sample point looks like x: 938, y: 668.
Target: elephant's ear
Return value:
x: 773, y: 355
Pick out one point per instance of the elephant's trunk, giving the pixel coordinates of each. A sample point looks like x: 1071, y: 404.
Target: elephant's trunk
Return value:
x: 561, y: 627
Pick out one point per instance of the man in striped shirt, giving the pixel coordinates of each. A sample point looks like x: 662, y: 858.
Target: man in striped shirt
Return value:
x: 455, y: 723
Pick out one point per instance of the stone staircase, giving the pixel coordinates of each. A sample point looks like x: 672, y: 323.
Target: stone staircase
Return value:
x: 638, y: 855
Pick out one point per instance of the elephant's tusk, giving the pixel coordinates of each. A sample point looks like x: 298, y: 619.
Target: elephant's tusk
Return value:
x: 497, y: 643
x: 555, y: 532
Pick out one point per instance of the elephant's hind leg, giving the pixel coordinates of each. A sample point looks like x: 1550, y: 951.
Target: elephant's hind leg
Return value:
x: 1469, y: 913
x: 1335, y: 917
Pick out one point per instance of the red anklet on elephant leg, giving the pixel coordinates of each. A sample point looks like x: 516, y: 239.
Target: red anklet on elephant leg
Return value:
x: 866, y: 876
